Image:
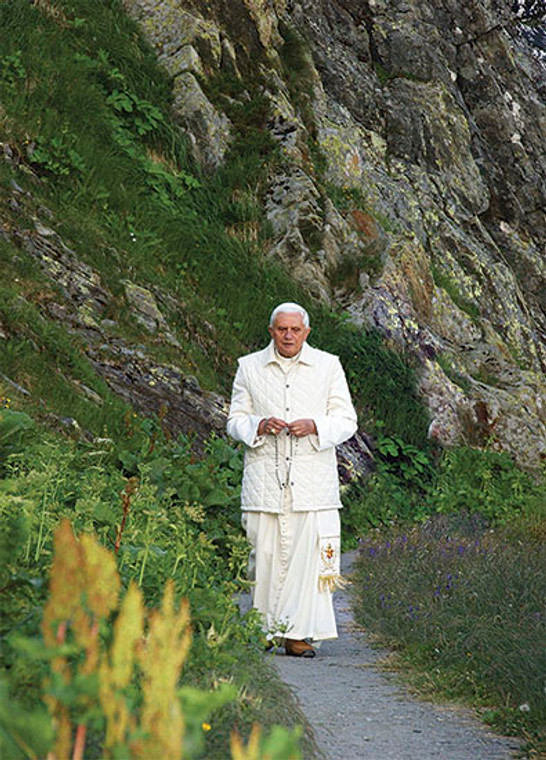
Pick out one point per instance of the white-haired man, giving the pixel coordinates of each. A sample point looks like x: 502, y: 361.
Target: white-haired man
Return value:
x: 291, y: 407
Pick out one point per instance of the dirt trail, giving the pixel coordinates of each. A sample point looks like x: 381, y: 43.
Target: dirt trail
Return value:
x: 361, y: 713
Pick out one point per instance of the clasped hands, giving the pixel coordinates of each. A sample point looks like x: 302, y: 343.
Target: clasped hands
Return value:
x: 298, y: 428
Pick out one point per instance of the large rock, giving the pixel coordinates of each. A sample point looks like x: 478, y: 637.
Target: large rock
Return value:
x: 209, y: 130
x: 80, y: 284
x: 433, y: 113
x: 292, y: 205
x: 144, y: 307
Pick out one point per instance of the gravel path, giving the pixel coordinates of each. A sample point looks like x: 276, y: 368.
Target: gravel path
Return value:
x: 361, y: 713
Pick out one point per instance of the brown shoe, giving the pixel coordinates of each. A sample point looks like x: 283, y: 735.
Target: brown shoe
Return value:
x: 298, y: 648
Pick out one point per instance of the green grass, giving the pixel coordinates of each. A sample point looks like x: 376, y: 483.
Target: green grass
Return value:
x: 382, y: 381
x: 463, y: 604
x: 296, y: 58
x: 410, y: 485
x: 263, y: 697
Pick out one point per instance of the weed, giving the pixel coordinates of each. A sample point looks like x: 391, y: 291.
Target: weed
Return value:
x: 346, y: 198
x: 297, y: 62
x: 57, y: 154
x: 485, y: 482
x: 377, y: 376
x: 12, y: 71
x: 385, y: 76
x: 482, y: 375
x: 382, y: 73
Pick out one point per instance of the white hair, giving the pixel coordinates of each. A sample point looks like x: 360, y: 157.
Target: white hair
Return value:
x: 289, y: 308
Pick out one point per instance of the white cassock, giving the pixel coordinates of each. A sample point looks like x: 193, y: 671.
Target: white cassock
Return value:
x: 285, y: 567
x: 294, y: 562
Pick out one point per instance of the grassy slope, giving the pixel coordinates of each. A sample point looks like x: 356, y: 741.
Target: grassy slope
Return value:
x: 123, y: 194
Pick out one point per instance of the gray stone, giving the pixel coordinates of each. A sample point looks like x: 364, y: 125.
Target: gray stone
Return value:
x: 293, y: 209
x: 354, y: 460
x: 144, y: 307
x: 186, y: 59
x: 208, y: 129
x: 79, y: 282
x: 89, y: 393
x: 16, y: 386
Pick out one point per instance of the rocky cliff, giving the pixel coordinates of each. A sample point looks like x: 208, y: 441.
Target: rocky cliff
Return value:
x: 412, y: 186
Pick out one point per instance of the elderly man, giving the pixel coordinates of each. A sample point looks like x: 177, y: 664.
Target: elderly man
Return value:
x: 291, y: 407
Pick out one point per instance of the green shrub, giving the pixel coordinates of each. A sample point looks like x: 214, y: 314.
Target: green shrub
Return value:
x: 485, y: 482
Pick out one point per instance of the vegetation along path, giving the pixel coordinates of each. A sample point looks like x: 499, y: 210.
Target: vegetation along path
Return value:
x: 360, y: 713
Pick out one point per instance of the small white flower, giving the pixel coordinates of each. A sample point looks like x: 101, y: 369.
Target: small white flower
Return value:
x: 524, y: 707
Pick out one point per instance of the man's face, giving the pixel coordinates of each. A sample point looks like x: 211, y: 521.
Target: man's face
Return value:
x: 289, y: 333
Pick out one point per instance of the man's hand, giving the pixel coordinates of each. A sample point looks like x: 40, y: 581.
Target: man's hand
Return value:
x: 299, y: 428
x: 271, y: 426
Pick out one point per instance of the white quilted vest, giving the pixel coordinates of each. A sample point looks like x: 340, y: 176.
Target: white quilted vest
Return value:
x: 315, y: 388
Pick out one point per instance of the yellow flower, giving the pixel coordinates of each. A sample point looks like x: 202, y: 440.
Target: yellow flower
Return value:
x: 206, y: 726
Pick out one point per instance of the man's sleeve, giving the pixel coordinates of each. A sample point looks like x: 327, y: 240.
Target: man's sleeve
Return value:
x: 242, y: 423
x: 340, y: 422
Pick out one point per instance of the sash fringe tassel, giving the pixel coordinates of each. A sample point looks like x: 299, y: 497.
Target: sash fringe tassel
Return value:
x: 332, y: 582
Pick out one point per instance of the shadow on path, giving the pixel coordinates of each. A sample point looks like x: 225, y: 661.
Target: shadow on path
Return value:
x: 361, y: 713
